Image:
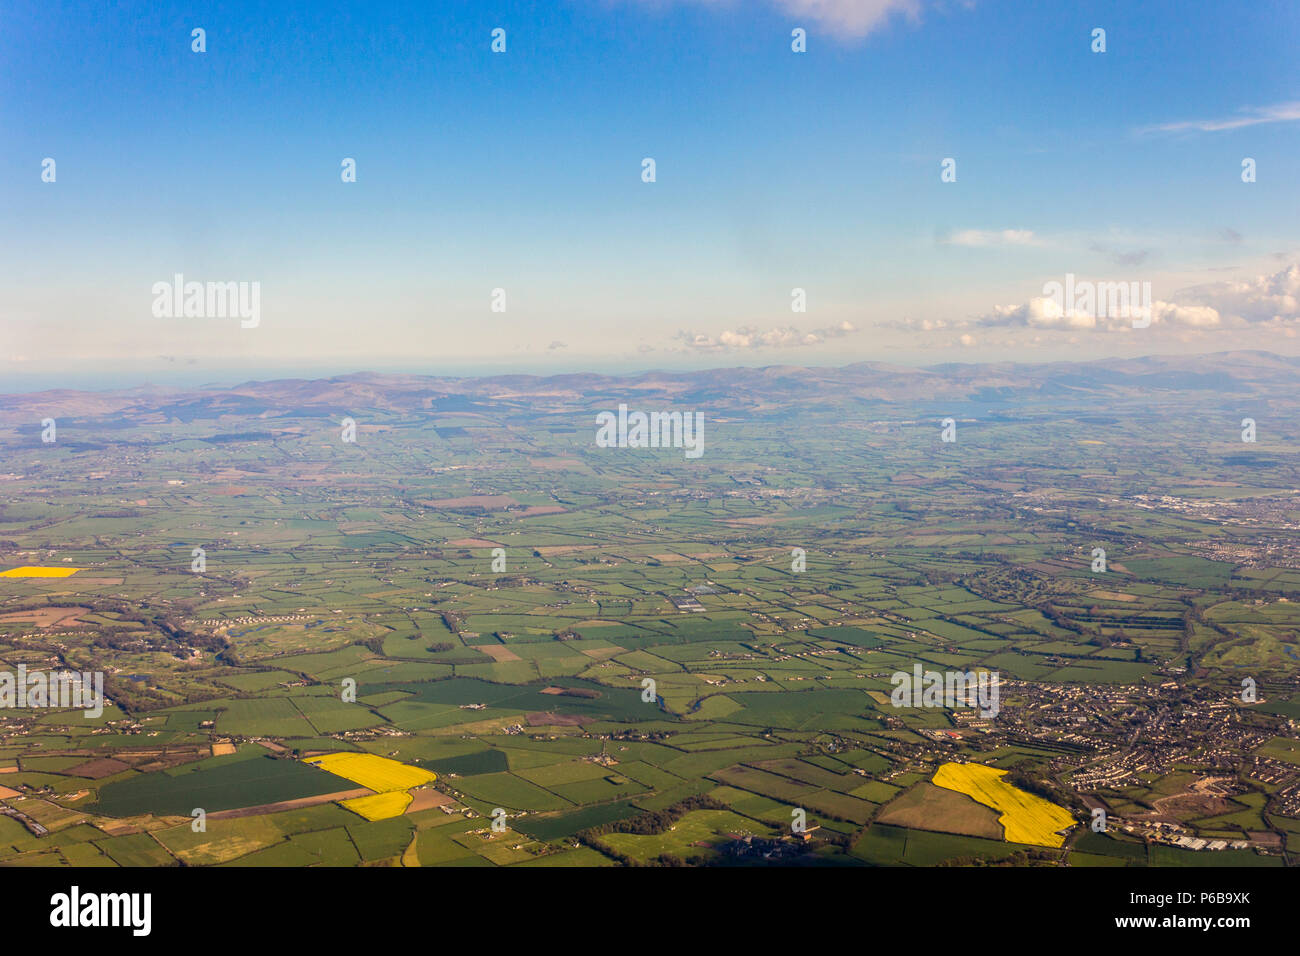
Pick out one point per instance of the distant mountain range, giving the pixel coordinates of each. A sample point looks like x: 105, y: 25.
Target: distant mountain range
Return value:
x: 771, y: 390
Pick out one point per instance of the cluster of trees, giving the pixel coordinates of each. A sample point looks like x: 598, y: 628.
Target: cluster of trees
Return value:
x: 1101, y: 639
x: 173, y: 635
x: 1050, y: 612
x: 1043, y: 788
x: 1018, y: 858
x: 649, y: 823
x: 137, y: 630
x: 136, y: 696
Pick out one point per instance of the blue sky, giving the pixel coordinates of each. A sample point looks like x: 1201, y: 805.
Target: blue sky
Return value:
x: 522, y: 171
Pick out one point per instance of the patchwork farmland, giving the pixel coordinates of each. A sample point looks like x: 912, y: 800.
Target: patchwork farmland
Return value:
x: 475, y: 638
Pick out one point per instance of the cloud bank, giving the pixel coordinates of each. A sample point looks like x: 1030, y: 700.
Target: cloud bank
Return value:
x: 1264, y: 300
x: 749, y: 337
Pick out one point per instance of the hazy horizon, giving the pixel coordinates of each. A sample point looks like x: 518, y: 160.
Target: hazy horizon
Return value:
x: 187, y: 377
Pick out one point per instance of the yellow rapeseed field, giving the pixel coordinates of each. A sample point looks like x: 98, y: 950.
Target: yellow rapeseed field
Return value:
x: 1025, y: 818
x: 379, y: 806
x: 372, y: 771
x: 33, y: 572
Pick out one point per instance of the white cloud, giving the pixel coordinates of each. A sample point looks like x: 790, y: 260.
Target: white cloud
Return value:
x: 750, y: 337
x: 1047, y: 313
x: 1038, y: 313
x: 1252, y: 116
x: 1266, y: 299
x: 850, y: 19
x: 1193, y: 316
x: 980, y: 238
